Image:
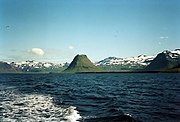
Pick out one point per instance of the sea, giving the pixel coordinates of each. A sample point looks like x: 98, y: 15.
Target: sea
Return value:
x: 90, y: 97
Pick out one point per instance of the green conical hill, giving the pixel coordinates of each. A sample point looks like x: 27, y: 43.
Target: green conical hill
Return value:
x: 81, y: 63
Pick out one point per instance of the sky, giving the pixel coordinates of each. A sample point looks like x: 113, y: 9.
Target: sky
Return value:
x: 57, y: 30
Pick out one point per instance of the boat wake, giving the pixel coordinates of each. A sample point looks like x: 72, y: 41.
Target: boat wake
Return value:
x: 30, y: 108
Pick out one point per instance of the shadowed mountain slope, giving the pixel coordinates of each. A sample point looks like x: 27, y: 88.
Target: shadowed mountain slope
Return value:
x: 165, y: 60
x: 6, y: 68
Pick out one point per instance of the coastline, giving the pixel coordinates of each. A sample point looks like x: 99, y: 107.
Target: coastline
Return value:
x: 106, y: 72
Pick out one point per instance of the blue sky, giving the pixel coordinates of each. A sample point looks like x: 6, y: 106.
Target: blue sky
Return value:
x: 57, y: 30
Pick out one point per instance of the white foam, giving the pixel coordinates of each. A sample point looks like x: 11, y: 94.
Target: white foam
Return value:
x: 127, y: 114
x: 32, y: 108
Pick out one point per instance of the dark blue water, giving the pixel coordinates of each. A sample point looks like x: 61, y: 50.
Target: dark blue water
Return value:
x: 93, y: 97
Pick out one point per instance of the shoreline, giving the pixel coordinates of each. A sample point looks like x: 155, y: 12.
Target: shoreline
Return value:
x: 105, y: 72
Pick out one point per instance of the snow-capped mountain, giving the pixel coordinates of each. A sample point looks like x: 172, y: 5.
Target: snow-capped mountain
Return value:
x: 165, y: 60
x: 142, y: 61
x: 32, y: 65
x: 139, y: 60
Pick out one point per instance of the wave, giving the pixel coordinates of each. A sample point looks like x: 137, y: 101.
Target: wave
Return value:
x: 119, y: 118
x: 23, y: 108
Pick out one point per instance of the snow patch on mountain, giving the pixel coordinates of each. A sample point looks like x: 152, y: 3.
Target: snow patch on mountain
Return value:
x: 31, y: 64
x: 139, y: 60
x: 172, y: 54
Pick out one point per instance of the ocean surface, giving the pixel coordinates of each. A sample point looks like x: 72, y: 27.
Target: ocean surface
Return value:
x: 108, y: 97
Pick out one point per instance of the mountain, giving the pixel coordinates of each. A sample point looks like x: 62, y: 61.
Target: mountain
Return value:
x: 6, y: 68
x: 35, y: 66
x: 165, y: 61
x: 133, y: 63
x: 81, y: 63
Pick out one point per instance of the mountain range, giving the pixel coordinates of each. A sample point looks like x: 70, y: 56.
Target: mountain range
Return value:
x: 32, y: 66
x: 132, y: 63
x: 165, y: 60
